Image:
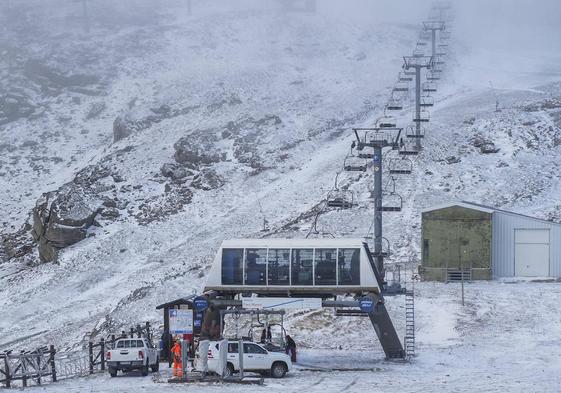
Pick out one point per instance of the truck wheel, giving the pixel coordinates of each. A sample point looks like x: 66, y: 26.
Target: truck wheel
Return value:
x: 144, y: 370
x: 278, y: 370
x: 229, y: 370
x: 113, y: 372
x: 156, y: 367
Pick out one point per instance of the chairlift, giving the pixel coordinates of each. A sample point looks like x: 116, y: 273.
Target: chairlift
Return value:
x: 401, y: 87
x: 404, y: 77
x: 411, y: 132
x: 431, y: 76
x: 424, y: 116
x: 394, y: 105
x: 385, y: 246
x: 407, y: 150
x: 391, y: 201
x: 429, y: 87
x: 400, y: 166
x: 427, y: 101
x: 387, y: 122
x: 354, y: 163
x: 340, y: 199
x: 422, y: 43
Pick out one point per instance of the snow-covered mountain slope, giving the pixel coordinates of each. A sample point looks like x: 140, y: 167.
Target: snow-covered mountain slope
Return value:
x: 253, y: 107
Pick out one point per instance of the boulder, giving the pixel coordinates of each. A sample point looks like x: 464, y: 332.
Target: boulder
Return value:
x: 122, y: 128
x: 61, y: 219
x: 189, y: 151
x: 175, y: 172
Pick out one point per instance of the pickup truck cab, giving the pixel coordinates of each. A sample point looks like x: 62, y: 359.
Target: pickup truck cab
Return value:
x: 133, y: 354
x: 255, y: 359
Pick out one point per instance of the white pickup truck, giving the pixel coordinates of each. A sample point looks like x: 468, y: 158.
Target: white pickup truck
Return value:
x: 132, y: 354
x: 255, y: 359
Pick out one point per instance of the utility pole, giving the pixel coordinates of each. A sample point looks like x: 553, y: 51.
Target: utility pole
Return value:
x: 417, y: 63
x: 433, y: 27
x: 376, y: 139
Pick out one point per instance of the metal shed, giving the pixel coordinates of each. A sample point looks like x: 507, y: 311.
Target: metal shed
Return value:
x: 482, y: 242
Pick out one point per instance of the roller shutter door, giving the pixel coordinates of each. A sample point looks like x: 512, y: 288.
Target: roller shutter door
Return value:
x: 531, y: 252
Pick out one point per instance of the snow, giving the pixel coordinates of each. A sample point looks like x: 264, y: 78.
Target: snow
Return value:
x: 503, y: 339
x: 320, y: 74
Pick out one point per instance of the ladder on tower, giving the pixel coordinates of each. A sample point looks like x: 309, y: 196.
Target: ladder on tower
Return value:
x: 409, y: 323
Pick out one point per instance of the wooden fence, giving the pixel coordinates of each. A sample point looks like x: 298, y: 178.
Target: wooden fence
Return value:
x: 45, y: 365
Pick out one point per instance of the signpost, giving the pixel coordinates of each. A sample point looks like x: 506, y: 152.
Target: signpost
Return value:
x: 200, y: 303
x: 366, y: 305
x: 180, y: 321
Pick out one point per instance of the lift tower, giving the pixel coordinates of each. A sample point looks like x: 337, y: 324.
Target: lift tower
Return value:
x: 377, y: 138
x: 417, y: 63
x: 433, y: 27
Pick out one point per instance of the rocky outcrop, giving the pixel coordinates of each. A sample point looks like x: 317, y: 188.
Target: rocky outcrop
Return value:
x: 197, y: 149
x: 62, y: 218
x: 126, y: 125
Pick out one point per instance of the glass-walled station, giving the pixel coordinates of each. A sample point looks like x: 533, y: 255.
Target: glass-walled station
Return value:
x: 297, y: 266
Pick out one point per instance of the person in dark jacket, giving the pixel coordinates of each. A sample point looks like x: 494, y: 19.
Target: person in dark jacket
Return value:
x: 290, y: 347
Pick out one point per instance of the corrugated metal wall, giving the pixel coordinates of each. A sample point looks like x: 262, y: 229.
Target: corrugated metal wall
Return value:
x: 502, y: 249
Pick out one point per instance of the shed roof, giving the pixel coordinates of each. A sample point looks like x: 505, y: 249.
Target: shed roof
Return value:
x: 177, y: 302
x: 483, y: 208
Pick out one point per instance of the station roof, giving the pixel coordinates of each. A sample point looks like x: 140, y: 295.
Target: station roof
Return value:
x: 288, y: 243
x: 483, y: 208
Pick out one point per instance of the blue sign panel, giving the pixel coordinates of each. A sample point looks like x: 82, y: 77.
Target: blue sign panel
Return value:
x: 376, y: 158
x: 366, y: 305
x: 200, y: 303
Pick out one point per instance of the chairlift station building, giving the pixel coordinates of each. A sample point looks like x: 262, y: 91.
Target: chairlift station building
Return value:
x: 483, y: 243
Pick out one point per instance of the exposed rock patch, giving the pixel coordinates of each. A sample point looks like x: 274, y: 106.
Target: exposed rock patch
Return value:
x: 61, y: 219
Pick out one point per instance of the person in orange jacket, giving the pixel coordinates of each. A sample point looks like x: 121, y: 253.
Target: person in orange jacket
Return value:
x: 176, y: 354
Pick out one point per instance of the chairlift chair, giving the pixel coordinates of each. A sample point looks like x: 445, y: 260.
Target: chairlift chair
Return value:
x: 391, y: 202
x: 386, y: 248
x: 432, y: 76
x: 424, y: 116
x: 404, y: 77
x: 401, y: 87
x: 400, y: 166
x: 411, y: 132
x: 354, y: 163
x: 422, y: 43
x: 429, y: 87
x: 407, y: 150
x: 427, y: 101
x: 418, y: 52
x: 387, y: 122
x: 394, y: 105
x: 340, y: 199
